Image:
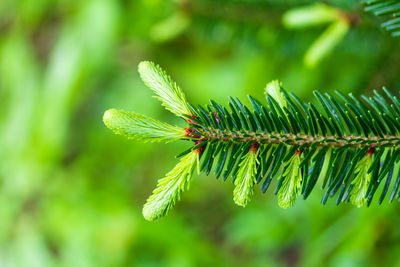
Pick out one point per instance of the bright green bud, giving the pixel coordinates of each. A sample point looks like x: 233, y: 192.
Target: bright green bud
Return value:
x: 169, y: 188
x: 246, y: 177
x: 273, y: 89
x: 361, y: 181
x: 291, y: 182
x: 137, y: 126
x: 167, y: 91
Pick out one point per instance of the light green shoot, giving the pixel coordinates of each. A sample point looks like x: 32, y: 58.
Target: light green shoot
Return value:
x: 167, y: 91
x: 361, y: 181
x: 273, y: 89
x: 307, y: 16
x: 325, y: 43
x: 291, y: 183
x: 314, y: 15
x: 137, y: 126
x: 246, y: 179
x: 169, y: 188
x: 292, y: 174
x: 170, y: 27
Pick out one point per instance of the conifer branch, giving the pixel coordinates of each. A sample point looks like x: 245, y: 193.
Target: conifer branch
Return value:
x: 347, y: 145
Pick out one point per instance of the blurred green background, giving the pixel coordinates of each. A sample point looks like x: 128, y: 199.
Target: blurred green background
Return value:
x: 71, y: 192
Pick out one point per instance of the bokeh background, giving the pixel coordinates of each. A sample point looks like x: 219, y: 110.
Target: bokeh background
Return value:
x: 71, y: 192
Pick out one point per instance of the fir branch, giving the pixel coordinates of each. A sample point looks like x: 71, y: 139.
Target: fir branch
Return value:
x: 346, y: 144
x: 298, y: 139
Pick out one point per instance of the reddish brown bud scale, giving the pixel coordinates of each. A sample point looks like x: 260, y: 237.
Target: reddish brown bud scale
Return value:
x: 189, y: 133
x: 189, y: 120
x: 199, y: 150
x: 298, y: 152
x: 254, y: 147
x: 371, y: 151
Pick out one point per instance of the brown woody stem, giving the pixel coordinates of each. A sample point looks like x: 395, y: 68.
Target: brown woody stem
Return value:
x: 299, y: 139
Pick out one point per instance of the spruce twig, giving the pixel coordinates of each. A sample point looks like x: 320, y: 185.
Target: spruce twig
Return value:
x: 349, y: 145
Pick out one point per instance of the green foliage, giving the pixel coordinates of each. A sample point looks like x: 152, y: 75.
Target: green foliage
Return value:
x: 137, y: 126
x: 361, y: 181
x: 290, y: 182
x: 292, y: 138
x: 390, y: 9
x: 167, y: 91
x: 274, y: 89
x: 72, y: 192
x: 246, y: 178
x: 169, y: 189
